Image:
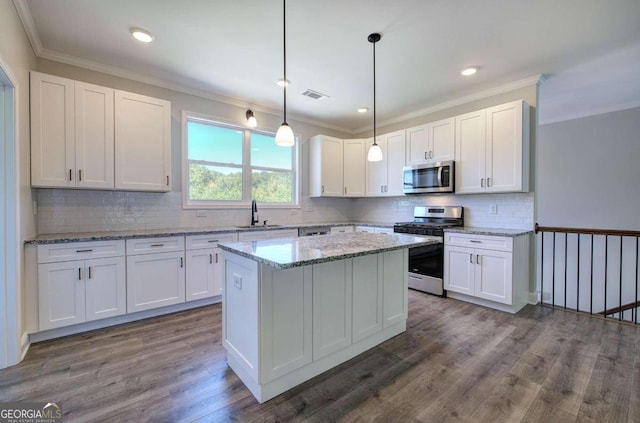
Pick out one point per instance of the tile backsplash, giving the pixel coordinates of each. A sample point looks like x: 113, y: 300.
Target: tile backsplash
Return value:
x: 64, y: 211
x: 512, y: 211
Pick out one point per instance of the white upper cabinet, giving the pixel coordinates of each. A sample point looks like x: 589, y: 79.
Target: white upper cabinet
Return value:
x: 384, y: 178
x: 71, y: 134
x: 143, y: 142
x: 492, y: 149
x: 354, y: 152
x: 430, y: 143
x: 326, y: 167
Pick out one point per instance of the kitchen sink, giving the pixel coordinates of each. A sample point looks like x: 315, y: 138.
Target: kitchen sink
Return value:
x: 258, y: 226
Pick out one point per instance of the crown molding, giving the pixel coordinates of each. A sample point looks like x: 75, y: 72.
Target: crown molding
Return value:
x: 29, y: 26
x: 536, y: 79
x: 593, y: 112
x: 135, y: 76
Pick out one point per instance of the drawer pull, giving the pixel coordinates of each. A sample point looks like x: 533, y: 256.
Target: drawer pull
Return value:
x: 476, y: 241
x: 213, y: 240
x: 84, y: 251
x: 157, y: 245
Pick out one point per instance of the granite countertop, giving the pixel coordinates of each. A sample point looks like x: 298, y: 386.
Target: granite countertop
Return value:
x: 295, y: 252
x: 154, y: 233
x: 489, y: 231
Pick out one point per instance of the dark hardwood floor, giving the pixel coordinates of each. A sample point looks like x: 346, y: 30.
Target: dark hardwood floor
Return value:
x: 456, y: 362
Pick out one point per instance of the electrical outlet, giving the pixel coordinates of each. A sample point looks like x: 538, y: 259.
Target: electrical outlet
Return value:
x: 201, y: 213
x: 493, y: 209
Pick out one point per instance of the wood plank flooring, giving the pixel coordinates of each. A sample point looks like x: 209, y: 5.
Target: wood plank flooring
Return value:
x: 456, y: 362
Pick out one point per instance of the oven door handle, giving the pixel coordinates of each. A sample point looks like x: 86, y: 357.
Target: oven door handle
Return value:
x: 440, y: 169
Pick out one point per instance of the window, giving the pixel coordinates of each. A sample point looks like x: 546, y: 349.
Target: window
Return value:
x: 227, y: 165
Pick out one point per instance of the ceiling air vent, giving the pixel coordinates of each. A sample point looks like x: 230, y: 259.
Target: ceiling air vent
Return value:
x: 315, y: 95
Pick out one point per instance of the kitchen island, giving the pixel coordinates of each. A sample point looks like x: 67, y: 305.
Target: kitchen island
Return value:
x: 294, y: 308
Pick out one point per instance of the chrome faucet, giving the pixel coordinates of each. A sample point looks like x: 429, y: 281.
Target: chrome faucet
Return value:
x: 254, y: 212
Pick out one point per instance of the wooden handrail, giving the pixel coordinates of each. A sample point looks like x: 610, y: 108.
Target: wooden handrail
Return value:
x: 619, y: 309
x: 614, y: 232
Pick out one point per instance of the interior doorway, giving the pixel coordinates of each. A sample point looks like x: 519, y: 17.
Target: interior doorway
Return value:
x: 9, y: 284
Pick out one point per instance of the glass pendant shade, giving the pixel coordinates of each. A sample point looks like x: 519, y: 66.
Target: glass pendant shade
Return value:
x: 284, y: 136
x: 375, y: 153
x: 251, y: 119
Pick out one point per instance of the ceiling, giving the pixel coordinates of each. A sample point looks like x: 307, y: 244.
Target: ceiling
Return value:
x: 233, y: 49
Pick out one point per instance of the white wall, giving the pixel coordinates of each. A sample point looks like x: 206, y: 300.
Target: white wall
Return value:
x: 16, y: 54
x: 589, y: 172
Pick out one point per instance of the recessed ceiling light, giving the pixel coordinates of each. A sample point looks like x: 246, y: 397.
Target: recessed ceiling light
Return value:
x: 469, y: 71
x: 363, y: 110
x: 142, y: 35
x: 283, y: 82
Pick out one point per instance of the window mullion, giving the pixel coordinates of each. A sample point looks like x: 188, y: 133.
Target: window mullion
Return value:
x: 246, y: 165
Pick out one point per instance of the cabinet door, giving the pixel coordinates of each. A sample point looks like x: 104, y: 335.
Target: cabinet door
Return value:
x: 494, y: 276
x: 332, y: 167
x: 253, y: 236
x: 417, y: 145
x: 470, y: 152
x: 200, y: 274
x: 367, y: 296
x: 354, y: 171
x: 52, y: 131
x: 94, y: 146
x: 395, y: 289
x: 105, y: 288
x: 395, y: 162
x: 377, y: 171
x: 218, y: 271
x: 154, y: 280
x: 504, y: 155
x: 332, y: 290
x: 142, y: 142
x: 459, y: 268
x: 61, y: 294
x: 442, y: 140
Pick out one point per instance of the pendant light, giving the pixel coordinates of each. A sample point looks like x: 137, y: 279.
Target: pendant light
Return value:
x: 251, y: 119
x: 284, y: 136
x: 375, y: 152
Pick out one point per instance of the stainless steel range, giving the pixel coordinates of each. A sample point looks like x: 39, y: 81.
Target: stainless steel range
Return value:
x: 426, y: 263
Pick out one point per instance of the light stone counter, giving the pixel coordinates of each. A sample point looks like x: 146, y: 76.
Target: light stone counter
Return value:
x: 295, y: 252
x: 489, y: 231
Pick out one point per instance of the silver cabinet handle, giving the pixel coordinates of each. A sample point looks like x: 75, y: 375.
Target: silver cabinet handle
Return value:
x: 210, y: 258
x: 89, y: 272
x: 216, y: 257
x: 84, y: 251
x: 167, y: 180
x: 477, y: 258
x: 482, y: 182
x: 70, y: 174
x: 426, y: 155
x: 471, y: 258
x: 431, y: 154
x: 79, y: 274
x: 157, y: 245
x: 181, y: 262
x: 79, y: 175
x: 476, y: 241
x: 213, y: 240
x: 345, y: 190
x: 488, y: 182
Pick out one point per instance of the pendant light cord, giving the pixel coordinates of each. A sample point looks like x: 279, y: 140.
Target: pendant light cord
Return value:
x: 374, y: 94
x: 284, y: 33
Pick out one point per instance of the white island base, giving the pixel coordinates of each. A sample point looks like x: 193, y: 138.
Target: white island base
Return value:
x: 282, y: 327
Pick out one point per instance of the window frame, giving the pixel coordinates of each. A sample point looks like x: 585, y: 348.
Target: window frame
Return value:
x: 246, y: 167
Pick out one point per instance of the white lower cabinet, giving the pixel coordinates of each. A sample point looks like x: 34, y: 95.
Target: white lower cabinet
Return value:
x: 204, y: 265
x: 374, y: 229
x: 491, y: 269
x: 367, y: 296
x: 341, y: 229
x: 267, y: 234
x: 155, y: 279
x: 80, y: 290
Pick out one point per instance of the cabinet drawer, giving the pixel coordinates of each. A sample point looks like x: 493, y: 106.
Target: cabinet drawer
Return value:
x: 155, y: 245
x: 207, y: 241
x: 49, y: 253
x: 488, y: 242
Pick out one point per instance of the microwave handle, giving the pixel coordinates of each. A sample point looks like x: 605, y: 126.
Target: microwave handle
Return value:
x: 440, y: 175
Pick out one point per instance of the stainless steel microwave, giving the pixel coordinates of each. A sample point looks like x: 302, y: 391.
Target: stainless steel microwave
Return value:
x: 429, y: 178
